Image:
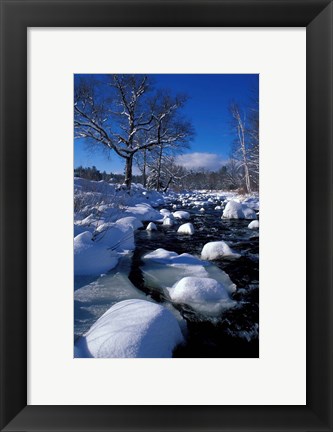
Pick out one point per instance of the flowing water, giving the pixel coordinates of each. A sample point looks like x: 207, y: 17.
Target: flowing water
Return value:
x: 235, y: 333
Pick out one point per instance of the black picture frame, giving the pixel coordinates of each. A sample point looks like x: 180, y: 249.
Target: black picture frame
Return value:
x: 16, y: 17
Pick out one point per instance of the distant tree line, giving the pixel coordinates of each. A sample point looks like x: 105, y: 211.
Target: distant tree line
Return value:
x: 92, y: 173
x: 180, y: 178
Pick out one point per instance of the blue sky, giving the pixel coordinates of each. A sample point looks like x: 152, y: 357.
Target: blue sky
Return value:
x: 207, y: 108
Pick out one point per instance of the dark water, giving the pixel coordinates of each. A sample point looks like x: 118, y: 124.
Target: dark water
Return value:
x: 236, y: 332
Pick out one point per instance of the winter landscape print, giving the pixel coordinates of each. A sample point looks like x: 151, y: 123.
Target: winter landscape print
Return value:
x: 166, y: 216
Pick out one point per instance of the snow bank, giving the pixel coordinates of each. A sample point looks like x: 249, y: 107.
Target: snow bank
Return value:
x: 130, y: 221
x: 144, y: 212
x: 181, y: 214
x: 132, y: 328
x: 236, y: 210
x: 91, y: 258
x: 117, y: 236
x: 205, y: 295
x: 217, y: 249
x: 186, y: 228
x: 79, y: 229
x: 254, y: 224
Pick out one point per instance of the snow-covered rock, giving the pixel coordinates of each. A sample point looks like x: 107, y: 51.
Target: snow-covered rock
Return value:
x: 217, y: 249
x: 151, y: 227
x: 162, y: 269
x: 254, y: 224
x: 186, y: 228
x: 218, y: 208
x: 163, y: 256
x: 165, y: 212
x: 180, y: 214
x: 91, y: 258
x: 168, y: 221
x: 132, y: 329
x: 202, y: 209
x: 205, y: 295
x: 236, y: 210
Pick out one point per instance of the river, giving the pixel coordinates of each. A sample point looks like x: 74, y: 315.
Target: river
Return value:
x: 235, y: 332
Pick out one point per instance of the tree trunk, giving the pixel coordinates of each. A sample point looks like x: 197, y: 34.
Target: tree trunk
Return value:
x: 168, y: 184
x: 241, y: 134
x: 159, y: 165
x: 128, y: 171
x: 144, y: 174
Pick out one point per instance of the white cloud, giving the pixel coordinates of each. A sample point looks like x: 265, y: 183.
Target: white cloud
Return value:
x: 197, y: 160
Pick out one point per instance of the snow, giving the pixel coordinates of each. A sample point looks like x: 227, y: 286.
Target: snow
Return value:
x: 91, y: 258
x: 205, y: 295
x: 132, y: 329
x: 217, y: 249
x: 130, y: 221
x: 162, y: 269
x: 165, y: 212
x: 78, y: 229
x: 117, y: 236
x: 144, y: 212
x: 236, y: 210
x: 254, y: 225
x: 180, y: 214
x: 163, y: 256
x: 104, y: 225
x: 168, y: 221
x: 186, y: 228
x: 93, y: 298
x: 151, y: 227
x: 252, y: 202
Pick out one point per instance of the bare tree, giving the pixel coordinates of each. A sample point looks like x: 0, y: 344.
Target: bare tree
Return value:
x: 253, y: 134
x: 239, y: 124
x: 123, y: 119
x: 172, y: 133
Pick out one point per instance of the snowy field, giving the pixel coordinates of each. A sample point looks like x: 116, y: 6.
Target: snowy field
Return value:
x: 163, y: 275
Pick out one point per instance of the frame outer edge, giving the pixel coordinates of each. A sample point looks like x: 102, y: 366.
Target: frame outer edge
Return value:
x: 13, y: 367
x: 320, y: 201
x: 13, y: 216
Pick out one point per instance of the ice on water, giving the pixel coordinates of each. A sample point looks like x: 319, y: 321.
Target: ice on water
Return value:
x: 163, y: 269
x: 92, y: 300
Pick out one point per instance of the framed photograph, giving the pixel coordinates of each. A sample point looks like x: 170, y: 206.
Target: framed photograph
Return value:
x: 156, y: 111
